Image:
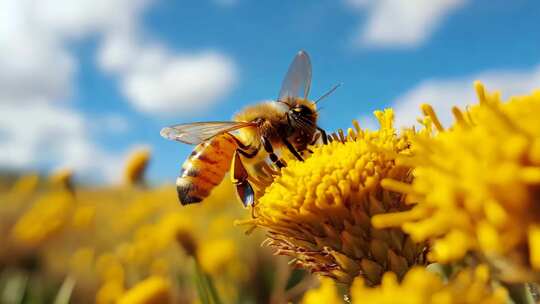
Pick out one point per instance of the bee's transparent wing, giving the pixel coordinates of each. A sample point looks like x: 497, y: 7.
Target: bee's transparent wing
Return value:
x: 198, y: 132
x: 297, y: 82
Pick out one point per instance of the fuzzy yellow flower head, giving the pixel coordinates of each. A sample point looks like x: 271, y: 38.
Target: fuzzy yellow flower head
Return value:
x: 136, y: 165
x: 477, y: 185
x: 153, y: 290
x: 214, y: 255
x: 326, y: 293
x: 318, y: 211
x: 62, y: 179
x: 46, y: 217
x: 24, y: 187
x: 470, y: 286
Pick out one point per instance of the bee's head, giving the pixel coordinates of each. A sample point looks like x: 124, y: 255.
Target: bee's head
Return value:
x: 302, y: 117
x: 303, y: 110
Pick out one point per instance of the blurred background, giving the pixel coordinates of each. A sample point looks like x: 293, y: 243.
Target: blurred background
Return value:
x: 84, y: 84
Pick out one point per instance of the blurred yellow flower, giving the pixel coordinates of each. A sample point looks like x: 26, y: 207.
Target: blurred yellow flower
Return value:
x: 477, y: 185
x: 326, y: 293
x: 215, y: 255
x: 419, y: 286
x: 109, y: 268
x: 173, y: 223
x: 187, y: 241
x: 63, y: 179
x: 160, y: 267
x: 46, y: 217
x: 24, y: 187
x: 110, y: 292
x: 83, y: 216
x: 153, y: 290
x: 136, y: 166
x: 318, y: 211
x: 110, y: 237
x: 82, y: 260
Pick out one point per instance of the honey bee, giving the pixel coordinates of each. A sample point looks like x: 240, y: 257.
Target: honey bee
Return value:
x: 290, y: 122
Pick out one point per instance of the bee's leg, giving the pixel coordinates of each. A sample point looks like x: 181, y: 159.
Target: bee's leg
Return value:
x: 243, y: 148
x: 323, y: 135
x: 239, y: 143
x: 247, y: 154
x: 273, y: 157
x: 240, y: 179
x: 292, y: 149
x: 239, y: 175
x: 315, y: 139
x: 246, y: 150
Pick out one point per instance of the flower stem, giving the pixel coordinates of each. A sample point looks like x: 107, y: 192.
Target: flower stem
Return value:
x: 205, y: 286
x: 519, y: 293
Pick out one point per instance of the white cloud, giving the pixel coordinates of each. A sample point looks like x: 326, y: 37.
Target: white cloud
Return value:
x: 78, y: 18
x: 38, y: 128
x: 37, y: 71
x: 33, y: 65
x: 45, y: 135
x: 112, y: 124
x: 180, y: 84
x: 443, y: 94
x: 157, y: 81
x: 118, y: 51
x: 34, y: 71
x: 400, y: 23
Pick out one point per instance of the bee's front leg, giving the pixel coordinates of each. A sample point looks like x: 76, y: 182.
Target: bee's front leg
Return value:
x: 323, y: 135
x: 315, y: 139
x: 292, y: 149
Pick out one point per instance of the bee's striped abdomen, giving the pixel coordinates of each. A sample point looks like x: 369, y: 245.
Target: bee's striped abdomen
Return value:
x: 205, y: 169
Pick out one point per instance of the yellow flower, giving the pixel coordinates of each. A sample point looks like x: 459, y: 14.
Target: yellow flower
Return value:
x: 153, y: 290
x: 187, y: 242
x: 24, y: 187
x: 318, y: 211
x: 326, y: 293
x: 470, y: 286
x: 44, y: 219
x: 109, y: 268
x: 160, y: 267
x: 178, y: 227
x: 214, y: 255
x: 63, y: 179
x: 110, y: 292
x: 83, y: 216
x: 136, y: 165
x: 477, y: 185
x: 82, y: 260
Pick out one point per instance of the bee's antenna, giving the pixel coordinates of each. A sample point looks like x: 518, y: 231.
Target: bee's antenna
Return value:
x: 329, y: 92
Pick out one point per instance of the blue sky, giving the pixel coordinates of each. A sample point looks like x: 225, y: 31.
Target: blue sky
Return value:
x: 84, y: 82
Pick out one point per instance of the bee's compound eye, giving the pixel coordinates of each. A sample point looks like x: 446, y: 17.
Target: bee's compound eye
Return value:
x: 302, y: 110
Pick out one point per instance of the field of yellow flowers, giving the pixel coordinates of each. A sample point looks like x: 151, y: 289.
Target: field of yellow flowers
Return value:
x: 436, y: 214
x: 131, y: 243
